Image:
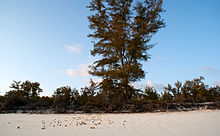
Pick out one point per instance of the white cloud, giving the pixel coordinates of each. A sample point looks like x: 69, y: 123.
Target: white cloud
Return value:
x: 217, y: 83
x: 158, y: 87
x: 210, y: 70
x: 76, y: 48
x: 149, y: 83
x: 81, y: 70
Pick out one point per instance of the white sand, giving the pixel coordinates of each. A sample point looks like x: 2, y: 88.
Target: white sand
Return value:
x: 196, y: 123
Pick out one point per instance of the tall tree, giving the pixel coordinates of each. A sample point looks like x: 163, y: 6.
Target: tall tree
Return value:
x: 122, y: 31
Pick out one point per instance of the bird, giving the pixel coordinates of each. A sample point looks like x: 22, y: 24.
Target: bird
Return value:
x: 43, y: 127
x: 92, y: 127
x: 124, y: 122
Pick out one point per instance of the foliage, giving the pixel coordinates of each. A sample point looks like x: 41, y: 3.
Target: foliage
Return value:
x: 191, y: 91
x: 151, y: 94
x: 64, y: 96
x: 122, y: 32
x: 166, y: 96
x: 27, y: 89
x: 106, y: 96
x: 43, y: 102
x: 21, y: 94
x: 14, y: 99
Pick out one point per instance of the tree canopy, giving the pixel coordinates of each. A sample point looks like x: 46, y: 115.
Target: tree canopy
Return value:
x: 122, y: 31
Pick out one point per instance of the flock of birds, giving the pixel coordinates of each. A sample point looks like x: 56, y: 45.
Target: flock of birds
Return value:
x: 92, y: 121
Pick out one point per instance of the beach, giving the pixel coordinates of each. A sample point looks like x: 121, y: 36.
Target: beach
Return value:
x: 202, y: 123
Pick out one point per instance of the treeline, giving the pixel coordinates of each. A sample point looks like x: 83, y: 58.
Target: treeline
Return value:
x: 106, y: 97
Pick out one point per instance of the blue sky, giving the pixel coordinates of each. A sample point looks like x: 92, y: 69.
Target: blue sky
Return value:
x: 46, y: 41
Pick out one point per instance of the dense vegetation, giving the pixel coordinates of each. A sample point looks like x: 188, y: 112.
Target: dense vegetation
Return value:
x: 93, y: 98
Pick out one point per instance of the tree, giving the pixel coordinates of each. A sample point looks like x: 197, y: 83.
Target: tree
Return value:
x: 26, y: 88
x: 166, y: 96
x: 90, y: 90
x: 178, y: 86
x: 122, y: 34
x: 1, y: 102
x: 195, y: 90
x: 214, y: 94
x: 31, y: 89
x: 151, y: 94
x: 36, y: 90
x: 169, y: 88
x: 62, y: 99
x: 62, y: 96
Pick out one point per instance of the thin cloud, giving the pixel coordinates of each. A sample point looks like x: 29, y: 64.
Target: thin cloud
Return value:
x: 149, y: 83
x: 217, y: 83
x: 76, y: 48
x: 80, y: 71
x: 158, y: 87
x: 210, y: 70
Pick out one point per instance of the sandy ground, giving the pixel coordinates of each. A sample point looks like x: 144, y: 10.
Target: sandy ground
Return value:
x: 195, y: 123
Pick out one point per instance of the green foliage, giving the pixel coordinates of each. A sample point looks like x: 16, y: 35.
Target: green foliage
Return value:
x: 150, y: 94
x: 90, y: 91
x: 31, y: 89
x: 122, y: 32
x: 88, y: 94
x: 106, y: 96
x: 1, y: 102
x: 44, y: 101
x: 213, y: 94
x: 177, y: 96
x: 14, y: 99
x: 195, y: 89
x: 63, y: 96
x: 2, y: 99
x: 191, y: 91
x: 22, y: 94
x: 166, y: 96
x: 27, y: 89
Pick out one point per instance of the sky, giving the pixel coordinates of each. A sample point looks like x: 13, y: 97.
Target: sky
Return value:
x: 46, y: 41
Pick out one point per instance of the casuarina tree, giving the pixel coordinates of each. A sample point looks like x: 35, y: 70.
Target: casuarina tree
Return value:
x: 121, y: 33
